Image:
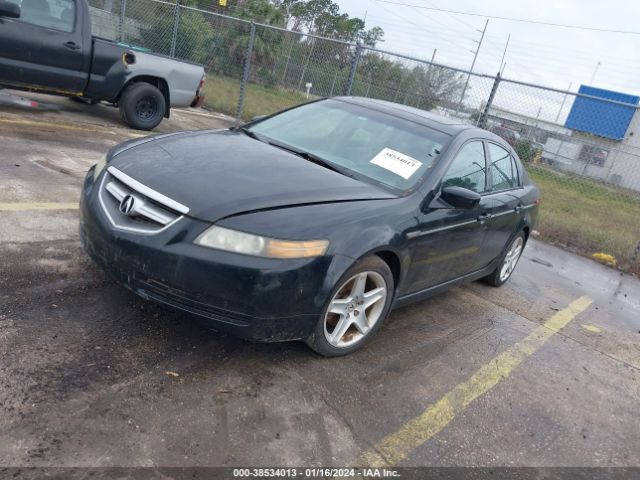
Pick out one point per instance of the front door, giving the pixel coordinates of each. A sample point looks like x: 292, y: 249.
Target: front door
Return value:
x: 44, y: 47
x: 449, y: 240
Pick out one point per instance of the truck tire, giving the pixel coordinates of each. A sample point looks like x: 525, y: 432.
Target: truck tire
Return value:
x: 142, y: 106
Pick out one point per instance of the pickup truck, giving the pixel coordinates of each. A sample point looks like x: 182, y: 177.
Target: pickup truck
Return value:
x: 47, y: 46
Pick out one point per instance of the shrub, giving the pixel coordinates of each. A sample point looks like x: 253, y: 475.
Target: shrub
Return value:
x: 526, y: 150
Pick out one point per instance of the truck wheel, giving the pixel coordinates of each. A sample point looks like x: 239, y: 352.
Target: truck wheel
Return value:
x: 142, y: 106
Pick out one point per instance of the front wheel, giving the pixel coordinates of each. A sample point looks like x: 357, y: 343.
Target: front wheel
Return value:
x: 142, y: 106
x: 508, y: 264
x: 358, y: 305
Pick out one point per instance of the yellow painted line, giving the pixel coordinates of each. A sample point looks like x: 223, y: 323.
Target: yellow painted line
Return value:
x: 399, y: 445
x: 18, y: 207
x: 591, y: 328
x: 64, y: 126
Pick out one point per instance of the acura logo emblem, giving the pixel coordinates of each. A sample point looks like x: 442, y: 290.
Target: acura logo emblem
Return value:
x: 128, y: 205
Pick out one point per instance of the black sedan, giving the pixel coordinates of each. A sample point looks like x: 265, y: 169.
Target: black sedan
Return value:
x: 312, y: 223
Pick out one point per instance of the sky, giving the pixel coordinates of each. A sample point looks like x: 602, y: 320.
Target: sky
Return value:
x: 540, y: 54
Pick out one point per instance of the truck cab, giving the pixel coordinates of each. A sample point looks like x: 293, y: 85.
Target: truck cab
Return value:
x: 47, y: 46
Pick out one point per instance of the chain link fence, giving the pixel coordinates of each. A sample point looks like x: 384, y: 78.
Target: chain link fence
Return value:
x: 583, y: 150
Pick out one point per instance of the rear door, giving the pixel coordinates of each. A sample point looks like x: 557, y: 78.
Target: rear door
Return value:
x: 505, y: 189
x: 44, y: 47
x: 449, y: 241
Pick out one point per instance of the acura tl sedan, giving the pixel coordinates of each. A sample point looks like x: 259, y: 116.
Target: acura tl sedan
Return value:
x: 310, y: 224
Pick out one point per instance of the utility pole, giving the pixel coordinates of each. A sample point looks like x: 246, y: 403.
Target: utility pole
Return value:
x: 504, y: 54
x: 563, y: 102
x: 595, y: 70
x: 433, y: 57
x: 473, y: 63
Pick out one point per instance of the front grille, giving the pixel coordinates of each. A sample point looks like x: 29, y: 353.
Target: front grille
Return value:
x: 132, y: 206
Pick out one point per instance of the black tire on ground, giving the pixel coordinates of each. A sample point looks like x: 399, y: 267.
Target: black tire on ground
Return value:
x: 318, y: 341
x: 493, y: 278
x: 142, y: 106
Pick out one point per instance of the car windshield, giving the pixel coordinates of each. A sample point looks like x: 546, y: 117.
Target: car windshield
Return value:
x: 359, y: 141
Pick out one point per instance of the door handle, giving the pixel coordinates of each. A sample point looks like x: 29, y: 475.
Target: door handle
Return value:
x: 518, y: 208
x: 483, y: 217
x: 71, y: 45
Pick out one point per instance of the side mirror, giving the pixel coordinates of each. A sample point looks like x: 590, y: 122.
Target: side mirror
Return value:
x: 9, y: 9
x: 459, y: 197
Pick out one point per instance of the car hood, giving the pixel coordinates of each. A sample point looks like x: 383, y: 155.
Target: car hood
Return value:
x: 217, y: 174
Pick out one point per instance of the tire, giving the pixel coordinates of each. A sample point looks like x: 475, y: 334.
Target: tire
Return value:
x: 503, y: 272
x: 369, y: 275
x: 142, y: 106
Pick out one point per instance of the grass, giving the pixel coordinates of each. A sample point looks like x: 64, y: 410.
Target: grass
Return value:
x: 588, y: 217
x: 581, y: 215
x: 221, y: 95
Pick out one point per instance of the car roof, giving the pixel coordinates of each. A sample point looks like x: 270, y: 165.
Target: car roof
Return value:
x: 451, y: 126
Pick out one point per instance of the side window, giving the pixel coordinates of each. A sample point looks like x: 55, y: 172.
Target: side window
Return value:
x: 468, y: 168
x: 516, y: 173
x: 504, y: 175
x: 55, y: 14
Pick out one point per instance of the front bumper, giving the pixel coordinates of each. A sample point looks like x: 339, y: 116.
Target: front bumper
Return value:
x: 254, y: 298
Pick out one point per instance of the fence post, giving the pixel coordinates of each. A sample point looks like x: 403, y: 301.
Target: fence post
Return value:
x: 335, y: 77
x: 245, y: 73
x: 286, y: 66
x: 176, y: 25
x: 354, y: 65
x: 123, y: 9
x: 482, y: 119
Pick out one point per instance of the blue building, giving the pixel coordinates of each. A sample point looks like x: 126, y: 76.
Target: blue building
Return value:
x: 602, y: 118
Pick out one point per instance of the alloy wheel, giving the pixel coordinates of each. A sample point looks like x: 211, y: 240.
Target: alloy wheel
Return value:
x: 355, y: 308
x: 511, y: 259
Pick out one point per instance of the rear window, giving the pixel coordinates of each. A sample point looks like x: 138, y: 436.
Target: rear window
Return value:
x: 504, y: 173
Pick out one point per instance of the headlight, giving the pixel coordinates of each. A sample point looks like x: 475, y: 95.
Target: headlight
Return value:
x: 240, y: 242
x: 97, y: 170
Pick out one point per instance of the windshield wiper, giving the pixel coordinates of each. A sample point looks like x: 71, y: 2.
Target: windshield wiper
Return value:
x: 311, y: 157
x: 249, y: 133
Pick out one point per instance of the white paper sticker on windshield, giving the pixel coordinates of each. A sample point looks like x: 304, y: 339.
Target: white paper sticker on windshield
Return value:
x: 397, y: 162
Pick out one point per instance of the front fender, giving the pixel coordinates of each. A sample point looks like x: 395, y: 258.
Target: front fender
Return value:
x: 355, y: 230
x: 383, y: 241
x: 337, y: 268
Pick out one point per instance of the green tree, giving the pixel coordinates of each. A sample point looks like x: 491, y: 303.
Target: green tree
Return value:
x: 437, y: 86
x: 371, y: 37
x: 194, y: 39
